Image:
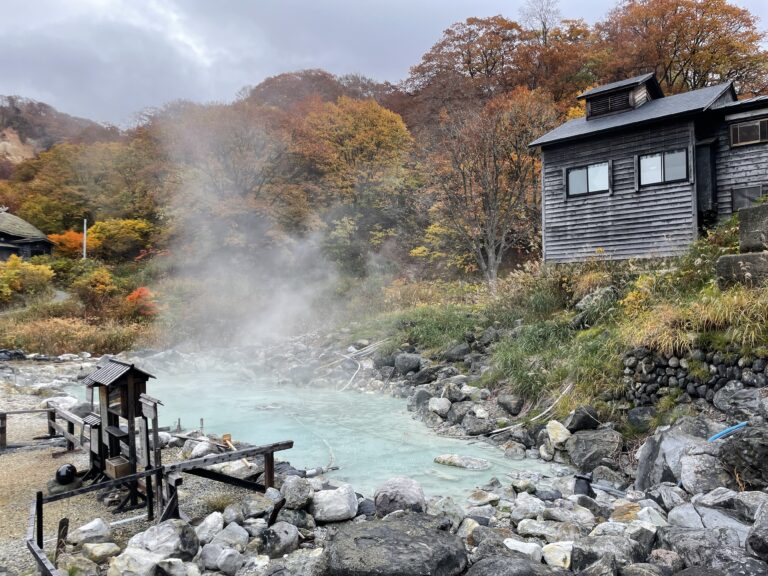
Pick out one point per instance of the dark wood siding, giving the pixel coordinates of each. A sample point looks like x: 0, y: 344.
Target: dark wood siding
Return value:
x: 738, y: 167
x: 654, y: 221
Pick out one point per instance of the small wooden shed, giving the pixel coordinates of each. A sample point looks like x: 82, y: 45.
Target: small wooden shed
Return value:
x: 116, y: 389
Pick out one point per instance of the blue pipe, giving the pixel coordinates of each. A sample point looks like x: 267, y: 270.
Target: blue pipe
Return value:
x: 728, y: 431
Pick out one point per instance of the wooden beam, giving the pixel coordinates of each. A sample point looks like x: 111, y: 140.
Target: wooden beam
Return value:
x: 100, y: 486
x: 226, y: 479
x: 44, y: 565
x: 228, y: 456
x: 3, y: 428
x: 269, y: 470
x: 33, y: 411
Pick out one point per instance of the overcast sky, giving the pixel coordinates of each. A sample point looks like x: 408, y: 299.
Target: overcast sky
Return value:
x: 109, y: 59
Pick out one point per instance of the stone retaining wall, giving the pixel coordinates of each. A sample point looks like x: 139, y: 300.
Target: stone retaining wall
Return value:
x: 648, y: 377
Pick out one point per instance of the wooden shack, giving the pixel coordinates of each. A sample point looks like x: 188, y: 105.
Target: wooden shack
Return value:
x: 117, y: 391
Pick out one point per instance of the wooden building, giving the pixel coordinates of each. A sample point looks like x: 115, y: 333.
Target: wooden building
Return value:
x: 642, y: 174
x: 19, y: 237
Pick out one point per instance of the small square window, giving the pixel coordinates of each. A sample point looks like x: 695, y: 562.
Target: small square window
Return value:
x: 749, y: 132
x: 650, y: 169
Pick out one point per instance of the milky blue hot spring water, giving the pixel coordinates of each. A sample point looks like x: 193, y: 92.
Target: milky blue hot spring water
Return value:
x: 370, y: 437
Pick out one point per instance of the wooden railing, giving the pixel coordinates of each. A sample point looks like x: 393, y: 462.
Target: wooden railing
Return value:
x: 171, y: 473
x: 54, y: 426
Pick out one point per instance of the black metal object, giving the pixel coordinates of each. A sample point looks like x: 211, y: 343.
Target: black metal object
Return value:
x: 583, y: 485
x: 66, y: 474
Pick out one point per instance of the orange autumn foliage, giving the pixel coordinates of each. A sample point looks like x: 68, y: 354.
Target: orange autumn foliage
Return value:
x: 141, y: 302
x: 70, y: 243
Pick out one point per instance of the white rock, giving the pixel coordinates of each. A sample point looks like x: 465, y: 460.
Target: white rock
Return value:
x: 99, y: 551
x: 445, y: 506
x: 481, y: 497
x: 134, y: 562
x: 170, y: 539
x: 533, y: 551
x: 399, y: 493
x: 95, y: 531
x: 467, y: 527
x: 468, y: 462
x: 439, y: 406
x: 334, y: 505
x: 64, y: 402
x: 233, y: 536
x: 558, y: 434
x: 558, y: 554
x: 480, y: 411
x: 652, y: 517
x: 203, y: 449
x: 297, y: 492
x: 229, y: 561
x: 209, y: 527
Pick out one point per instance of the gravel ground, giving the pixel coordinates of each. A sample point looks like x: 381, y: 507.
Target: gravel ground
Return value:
x: 27, y: 466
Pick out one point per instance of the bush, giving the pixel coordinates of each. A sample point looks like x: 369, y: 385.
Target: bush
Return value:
x: 18, y: 277
x: 120, y: 239
x: 96, y: 289
x: 141, y: 303
x: 69, y: 244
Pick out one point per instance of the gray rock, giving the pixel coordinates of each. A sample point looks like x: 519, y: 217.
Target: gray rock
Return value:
x: 512, y: 403
x: 475, y: 426
x: 702, y: 473
x: 446, y: 507
x: 685, y: 516
x: 747, y: 453
x: 135, y: 562
x: 591, y: 448
x: 175, y: 567
x: 299, y: 518
x: 466, y: 462
x: 209, y: 527
x: 408, y: 546
x: 233, y: 536
x: 659, y: 457
x: 457, y: 352
x: 399, y: 493
x: 440, y: 406
x: 334, y: 505
x: 697, y: 547
x: 297, y: 492
x: 170, y: 539
x: 642, y: 570
x: 549, y: 530
x: 583, y: 418
x: 526, y: 506
x: 592, y: 548
x: 514, y: 450
x: 737, y: 401
x: 669, y: 495
x: 717, y: 518
x: 99, y: 552
x: 405, y: 362
x: 640, y: 418
x: 209, y: 556
x: 746, y: 504
x: 280, y: 539
x: 94, y: 531
x: 229, y: 561
x: 259, y: 505
x: 256, y: 526
x: 605, y: 566
x: 233, y: 513
x: 302, y: 562
x: 748, y: 269
x: 459, y: 411
x: 75, y: 565
x: 757, y: 538
x: 666, y: 559
x: 529, y: 549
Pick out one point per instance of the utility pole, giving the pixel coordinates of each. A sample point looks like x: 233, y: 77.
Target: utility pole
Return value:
x: 85, y: 238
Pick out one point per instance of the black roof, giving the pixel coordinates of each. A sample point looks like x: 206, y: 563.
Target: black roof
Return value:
x: 679, y: 104
x: 110, y: 371
x: 650, y: 78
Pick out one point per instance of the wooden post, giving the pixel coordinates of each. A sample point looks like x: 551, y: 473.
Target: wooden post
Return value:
x: 3, y: 428
x: 61, y: 538
x: 71, y: 430
x: 269, y: 469
x: 39, y: 521
x: 51, y: 419
x: 150, y: 498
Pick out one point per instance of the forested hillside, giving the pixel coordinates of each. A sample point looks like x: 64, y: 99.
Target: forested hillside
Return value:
x: 341, y: 180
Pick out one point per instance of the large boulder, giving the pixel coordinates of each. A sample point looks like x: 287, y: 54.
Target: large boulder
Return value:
x: 302, y: 562
x: 737, y: 401
x: 406, y: 362
x: 233, y: 536
x: 701, y: 471
x: 511, y: 403
x: 589, y: 550
x: 659, y: 458
x: 297, y: 492
x: 439, y: 406
x: 558, y: 434
x: 749, y: 269
x: 457, y: 352
x: 589, y: 449
x: 94, y: 531
x: 280, y: 539
x: 475, y: 426
x: 134, y: 562
x: 399, y: 493
x: 408, y: 546
x: 746, y: 453
x: 170, y: 539
x: 334, y: 505
x: 209, y: 527
x: 757, y: 539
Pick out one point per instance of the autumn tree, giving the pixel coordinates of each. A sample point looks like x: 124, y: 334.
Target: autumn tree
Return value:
x: 689, y: 44
x: 541, y: 16
x: 120, y: 239
x: 488, y: 178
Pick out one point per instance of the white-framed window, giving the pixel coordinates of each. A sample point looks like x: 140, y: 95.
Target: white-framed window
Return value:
x: 589, y: 179
x: 659, y: 167
x: 752, y: 132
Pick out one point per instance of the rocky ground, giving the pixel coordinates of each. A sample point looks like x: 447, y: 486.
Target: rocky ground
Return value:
x: 677, y: 505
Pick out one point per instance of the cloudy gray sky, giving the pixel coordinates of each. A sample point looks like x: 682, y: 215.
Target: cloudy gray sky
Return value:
x: 109, y: 59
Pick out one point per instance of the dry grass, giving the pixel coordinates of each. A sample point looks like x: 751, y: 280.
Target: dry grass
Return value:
x: 62, y: 335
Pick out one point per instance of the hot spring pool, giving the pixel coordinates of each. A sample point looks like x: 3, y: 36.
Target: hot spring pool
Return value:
x: 371, y: 437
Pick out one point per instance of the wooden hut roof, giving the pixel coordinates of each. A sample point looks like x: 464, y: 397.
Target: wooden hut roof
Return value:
x: 14, y: 226
x: 111, y: 371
